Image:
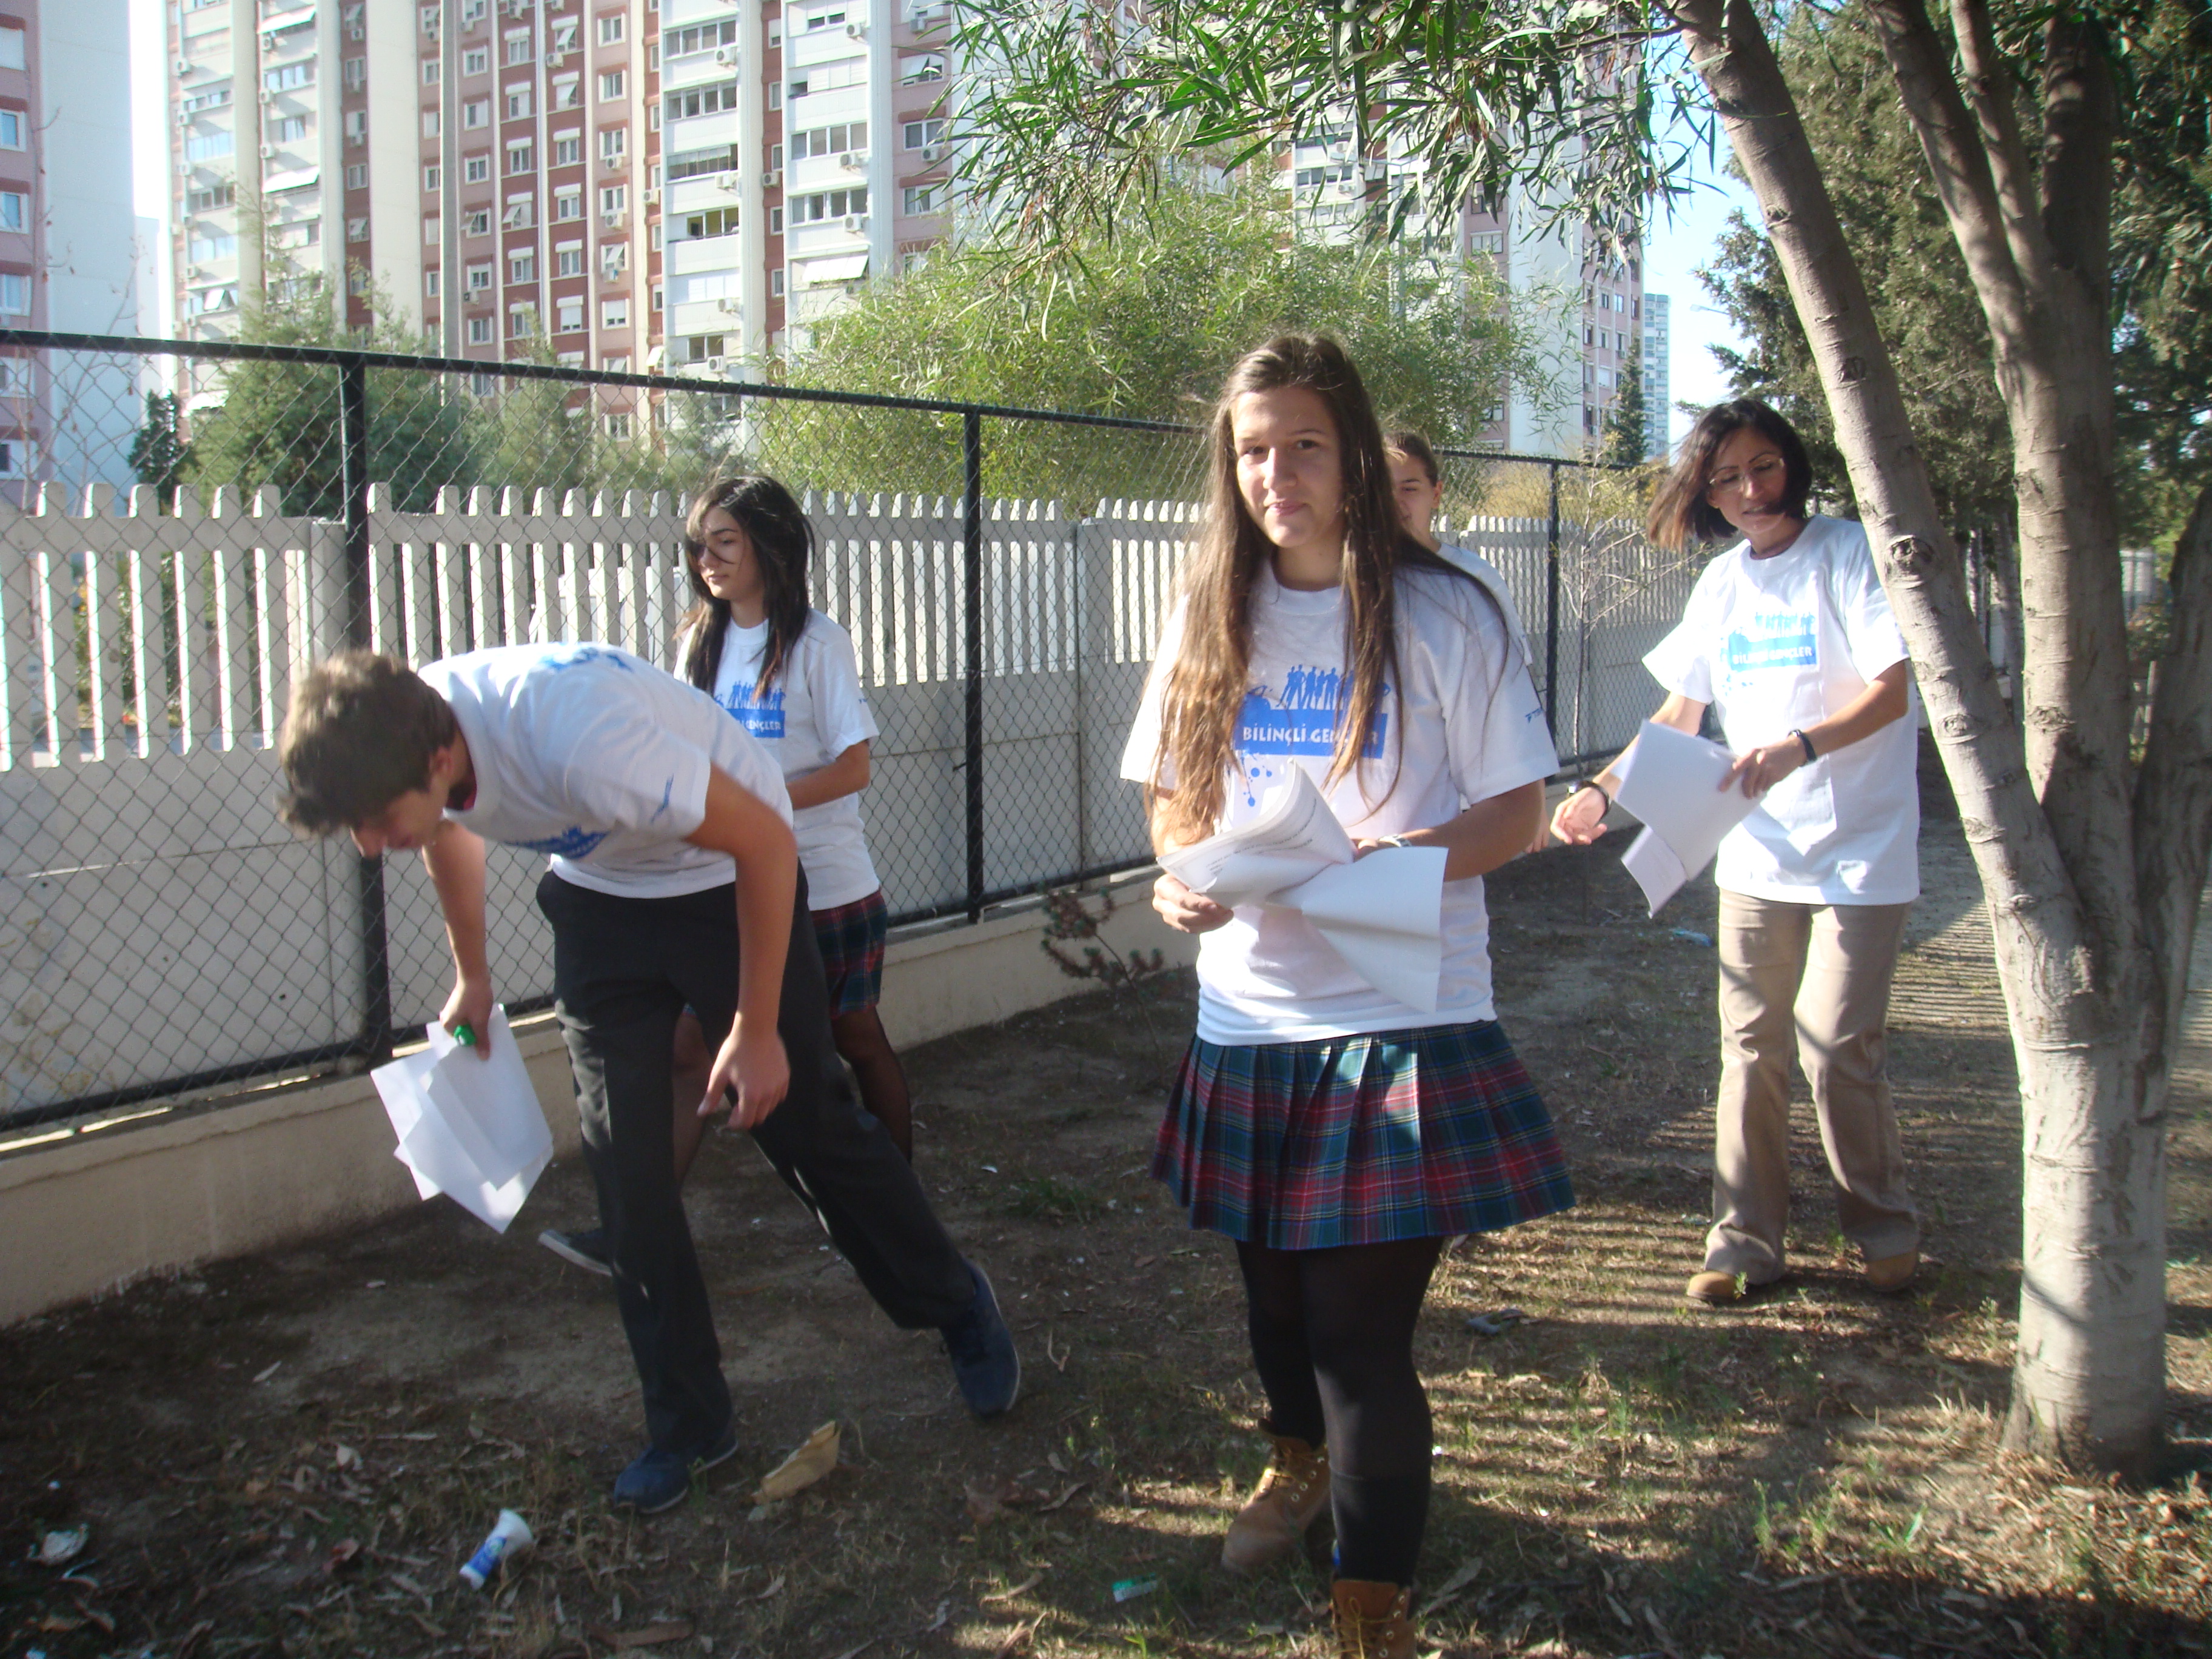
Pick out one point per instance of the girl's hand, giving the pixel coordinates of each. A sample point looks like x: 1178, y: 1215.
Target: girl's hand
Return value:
x: 1185, y: 911
x: 1766, y: 766
x: 751, y: 1065
x: 1580, y: 818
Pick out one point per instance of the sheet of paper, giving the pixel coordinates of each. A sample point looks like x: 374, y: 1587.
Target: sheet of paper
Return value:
x: 1382, y: 914
x: 1672, y: 781
x: 468, y: 1123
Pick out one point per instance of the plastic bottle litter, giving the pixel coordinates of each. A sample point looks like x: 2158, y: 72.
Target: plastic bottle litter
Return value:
x: 507, y: 1540
x: 1694, y: 936
x: 1128, y: 1589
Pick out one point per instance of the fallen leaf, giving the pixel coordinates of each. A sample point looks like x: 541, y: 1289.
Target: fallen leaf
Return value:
x: 1449, y: 1591
x: 774, y: 1587
x: 1053, y: 1458
x: 1057, y: 1502
x: 58, y: 1549
x: 1028, y: 1584
x: 986, y: 1503
x: 103, y: 1620
x: 652, y: 1636
x: 803, y: 1468
x: 347, y: 1458
x: 343, y: 1554
x: 944, y: 1613
x: 1018, y: 1638
x: 55, y: 1624
x: 268, y: 1371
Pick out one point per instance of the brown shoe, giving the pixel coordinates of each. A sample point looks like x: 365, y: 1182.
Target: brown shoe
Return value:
x: 1715, y: 1290
x: 1373, y: 1621
x: 1291, y: 1496
x: 1893, y: 1272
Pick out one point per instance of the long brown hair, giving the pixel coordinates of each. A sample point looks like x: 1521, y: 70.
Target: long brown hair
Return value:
x: 1681, y: 513
x: 782, y: 546
x: 1206, y: 688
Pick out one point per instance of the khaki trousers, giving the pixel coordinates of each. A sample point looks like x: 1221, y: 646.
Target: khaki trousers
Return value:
x: 1821, y: 974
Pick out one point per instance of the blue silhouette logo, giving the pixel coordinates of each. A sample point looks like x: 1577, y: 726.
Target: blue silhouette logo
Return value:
x: 573, y: 842
x: 577, y: 654
x: 1782, y: 641
x: 1303, y: 722
x: 762, y: 716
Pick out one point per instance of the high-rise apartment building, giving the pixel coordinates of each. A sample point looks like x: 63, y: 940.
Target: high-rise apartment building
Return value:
x: 1657, y: 404
x: 69, y: 252
x: 628, y: 184
x: 1583, y: 347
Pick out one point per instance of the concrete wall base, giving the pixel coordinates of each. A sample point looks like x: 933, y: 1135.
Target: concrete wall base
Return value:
x: 88, y: 1208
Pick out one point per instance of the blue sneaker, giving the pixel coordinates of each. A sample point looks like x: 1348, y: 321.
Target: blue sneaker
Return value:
x: 658, y: 1479
x: 982, y: 1350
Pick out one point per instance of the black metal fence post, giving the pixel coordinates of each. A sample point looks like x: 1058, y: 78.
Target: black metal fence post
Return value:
x: 375, y: 1040
x: 971, y: 448
x: 1551, y: 613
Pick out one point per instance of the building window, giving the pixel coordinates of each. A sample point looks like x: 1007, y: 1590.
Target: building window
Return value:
x: 517, y: 46
x: 715, y: 222
x: 569, y: 259
x: 522, y: 267
x: 568, y: 92
x: 611, y: 28
x: 16, y: 215
x: 611, y: 82
x: 15, y: 287
x: 828, y: 204
x: 615, y: 313
x: 564, y: 37
x: 692, y: 163
x: 775, y: 283
x: 285, y: 77
x: 614, y: 145
x: 432, y: 225
x: 479, y: 330
x: 921, y: 133
x: 476, y: 60
x: 614, y: 202
x: 356, y: 126
x: 924, y: 66
x: 775, y: 222
x: 356, y: 175
x: 430, y: 283
x: 700, y: 100
x: 522, y: 322
x: 618, y: 427
x: 921, y: 199
x: 844, y: 138
x: 519, y: 156
x: 521, y: 103
x: 356, y: 230
x: 700, y: 37
x: 475, y: 169
x: 428, y: 17
x: 288, y: 129
x: 479, y: 278
x: 214, y: 197
x: 430, y: 124
x: 356, y: 73
x: 199, y: 250
x: 614, y: 259
x: 478, y: 223
x: 569, y: 151
x: 430, y: 176
x: 568, y: 204
x: 570, y: 316
x: 618, y: 364
x: 659, y: 298
x: 521, y: 213
x: 431, y: 67
x: 208, y: 145
x: 477, y: 112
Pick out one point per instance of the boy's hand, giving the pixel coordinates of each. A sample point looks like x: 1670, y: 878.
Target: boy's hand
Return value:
x: 755, y: 1067
x: 1187, y: 912
x: 470, y: 1005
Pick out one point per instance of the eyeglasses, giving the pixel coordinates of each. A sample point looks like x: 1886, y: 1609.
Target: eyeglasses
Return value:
x: 1764, y: 470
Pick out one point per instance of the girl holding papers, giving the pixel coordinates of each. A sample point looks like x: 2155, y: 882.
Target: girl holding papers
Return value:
x: 1789, y: 638
x: 1337, y: 1135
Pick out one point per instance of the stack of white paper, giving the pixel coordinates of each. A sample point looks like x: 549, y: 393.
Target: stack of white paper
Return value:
x: 1383, y: 913
x: 469, y: 1122
x: 1674, y: 783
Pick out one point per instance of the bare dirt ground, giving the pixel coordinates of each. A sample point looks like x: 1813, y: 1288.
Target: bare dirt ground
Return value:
x: 291, y: 1454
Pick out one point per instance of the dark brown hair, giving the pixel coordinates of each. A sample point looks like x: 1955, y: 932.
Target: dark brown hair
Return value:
x: 359, y: 735
x: 1414, y: 448
x: 782, y: 546
x: 1206, y: 686
x: 1682, y: 514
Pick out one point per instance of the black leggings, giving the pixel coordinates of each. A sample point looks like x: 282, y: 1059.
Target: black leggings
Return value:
x: 1332, y: 1341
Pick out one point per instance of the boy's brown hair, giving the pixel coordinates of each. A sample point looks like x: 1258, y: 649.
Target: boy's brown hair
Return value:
x: 359, y: 735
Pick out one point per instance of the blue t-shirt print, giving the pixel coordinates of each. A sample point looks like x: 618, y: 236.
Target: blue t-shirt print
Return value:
x: 1772, y: 639
x: 573, y: 842
x: 762, y: 716
x: 1301, y: 721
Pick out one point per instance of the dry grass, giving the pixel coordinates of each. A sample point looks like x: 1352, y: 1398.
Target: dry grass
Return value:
x: 1818, y: 1473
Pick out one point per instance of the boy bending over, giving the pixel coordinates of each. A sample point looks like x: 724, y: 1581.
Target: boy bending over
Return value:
x: 674, y: 881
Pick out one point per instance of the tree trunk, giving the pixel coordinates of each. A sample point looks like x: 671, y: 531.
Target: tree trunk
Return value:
x: 2089, y: 1385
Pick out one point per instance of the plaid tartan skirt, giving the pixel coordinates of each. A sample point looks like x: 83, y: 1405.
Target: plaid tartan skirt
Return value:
x: 1361, y: 1139
x: 852, y: 940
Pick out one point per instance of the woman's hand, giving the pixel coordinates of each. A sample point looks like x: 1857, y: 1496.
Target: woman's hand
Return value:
x: 1580, y: 818
x: 1766, y: 766
x: 470, y: 1005
x: 1185, y: 911
x: 752, y: 1067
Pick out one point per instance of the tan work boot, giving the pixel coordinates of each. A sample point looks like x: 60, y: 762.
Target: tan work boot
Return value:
x: 1715, y: 1290
x: 1893, y: 1272
x: 1373, y: 1621
x: 1291, y: 1496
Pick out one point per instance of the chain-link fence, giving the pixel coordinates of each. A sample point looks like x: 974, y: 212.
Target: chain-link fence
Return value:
x: 184, y: 528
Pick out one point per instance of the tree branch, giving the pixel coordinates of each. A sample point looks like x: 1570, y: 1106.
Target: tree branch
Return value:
x: 1988, y: 91
x: 2173, y: 789
x: 1959, y: 163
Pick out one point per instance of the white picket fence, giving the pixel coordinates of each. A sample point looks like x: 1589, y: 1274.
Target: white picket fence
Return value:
x: 158, y: 922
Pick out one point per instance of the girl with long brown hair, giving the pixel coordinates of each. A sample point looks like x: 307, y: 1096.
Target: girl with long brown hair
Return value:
x: 1338, y: 1135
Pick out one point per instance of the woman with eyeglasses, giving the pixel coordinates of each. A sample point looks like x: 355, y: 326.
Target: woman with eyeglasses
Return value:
x: 1787, y: 638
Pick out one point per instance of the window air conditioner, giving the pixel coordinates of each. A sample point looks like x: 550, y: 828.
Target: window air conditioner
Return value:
x: 772, y: 178
x: 184, y: 66
x: 856, y: 222
x: 268, y: 42
x: 726, y: 56
x: 554, y: 59
x: 931, y: 153
x: 729, y: 181
x: 854, y: 160
x: 856, y: 32
x: 714, y: 364
x: 267, y: 151
x: 652, y: 195
x: 266, y: 95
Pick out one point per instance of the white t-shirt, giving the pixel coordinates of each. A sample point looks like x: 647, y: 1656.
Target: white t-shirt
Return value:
x: 813, y: 714
x: 1494, y: 579
x: 598, y: 759
x: 1780, y: 643
x: 1471, y: 728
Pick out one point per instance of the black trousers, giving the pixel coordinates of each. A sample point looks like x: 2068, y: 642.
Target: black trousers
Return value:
x: 624, y: 970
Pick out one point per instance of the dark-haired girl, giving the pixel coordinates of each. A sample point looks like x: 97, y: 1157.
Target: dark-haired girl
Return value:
x: 787, y: 674
x: 1789, y: 638
x: 1337, y: 1135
